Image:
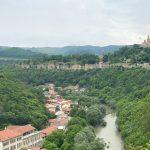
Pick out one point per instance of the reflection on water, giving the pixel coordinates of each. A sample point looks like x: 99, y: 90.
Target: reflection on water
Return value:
x: 110, y: 134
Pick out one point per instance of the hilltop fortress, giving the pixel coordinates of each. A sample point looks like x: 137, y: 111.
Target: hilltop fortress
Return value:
x: 146, y: 43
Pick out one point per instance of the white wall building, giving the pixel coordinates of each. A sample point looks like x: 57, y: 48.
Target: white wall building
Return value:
x: 17, y: 137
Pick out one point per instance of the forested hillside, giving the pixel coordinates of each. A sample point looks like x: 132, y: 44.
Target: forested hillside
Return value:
x: 132, y: 54
x: 76, y: 50
x: 20, y: 53
x: 20, y: 104
x: 127, y: 90
x: 70, y: 59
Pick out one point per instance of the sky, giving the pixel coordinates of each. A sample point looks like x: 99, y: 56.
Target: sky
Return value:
x: 28, y: 23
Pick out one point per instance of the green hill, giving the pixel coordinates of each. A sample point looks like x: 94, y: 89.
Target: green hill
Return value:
x: 70, y: 50
x: 134, y: 54
x: 19, y: 53
x: 20, y: 104
x: 38, y: 52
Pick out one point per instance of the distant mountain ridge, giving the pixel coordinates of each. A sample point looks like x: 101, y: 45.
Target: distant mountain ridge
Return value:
x: 69, y: 50
x: 16, y: 52
x: 36, y: 52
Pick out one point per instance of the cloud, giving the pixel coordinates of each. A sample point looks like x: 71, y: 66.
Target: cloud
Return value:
x: 67, y: 22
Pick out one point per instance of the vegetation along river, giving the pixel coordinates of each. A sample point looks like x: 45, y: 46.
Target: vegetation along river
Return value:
x: 109, y: 133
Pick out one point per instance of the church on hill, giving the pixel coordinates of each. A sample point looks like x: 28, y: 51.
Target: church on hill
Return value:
x: 146, y: 43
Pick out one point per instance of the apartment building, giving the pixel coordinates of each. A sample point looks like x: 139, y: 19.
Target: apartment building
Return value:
x: 17, y: 137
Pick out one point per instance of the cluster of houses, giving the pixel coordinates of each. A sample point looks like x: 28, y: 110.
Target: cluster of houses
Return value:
x: 27, y: 137
x: 58, y: 106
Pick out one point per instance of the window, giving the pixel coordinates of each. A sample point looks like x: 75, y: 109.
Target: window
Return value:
x: 13, y: 147
x: 12, y: 140
x: 19, y: 138
x: 5, y: 143
x: 24, y: 143
x: 19, y: 145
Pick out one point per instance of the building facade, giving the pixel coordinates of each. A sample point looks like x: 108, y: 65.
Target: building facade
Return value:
x: 18, y: 137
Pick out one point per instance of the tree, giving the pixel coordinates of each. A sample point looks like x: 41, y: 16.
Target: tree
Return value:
x: 66, y: 146
x: 50, y: 146
x: 56, y: 137
x: 85, y: 139
x: 82, y: 146
x: 71, y: 132
x: 77, y: 121
x: 94, y: 115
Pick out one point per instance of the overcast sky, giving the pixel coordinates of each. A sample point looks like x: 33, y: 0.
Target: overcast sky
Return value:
x: 73, y: 22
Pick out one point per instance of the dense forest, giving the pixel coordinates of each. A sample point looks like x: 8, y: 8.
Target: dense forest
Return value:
x: 7, y: 62
x: 132, y: 54
x: 72, y: 59
x: 9, y: 57
x: 127, y: 90
x: 21, y: 104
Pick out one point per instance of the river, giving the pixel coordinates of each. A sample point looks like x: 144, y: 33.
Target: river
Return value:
x: 109, y: 133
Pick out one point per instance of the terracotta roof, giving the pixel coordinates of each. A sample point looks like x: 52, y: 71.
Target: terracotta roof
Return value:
x: 14, y: 131
x: 67, y: 102
x: 64, y: 116
x: 48, y: 130
x: 62, y: 122
x: 51, y: 120
x: 21, y: 129
x: 8, y: 134
x: 36, y: 148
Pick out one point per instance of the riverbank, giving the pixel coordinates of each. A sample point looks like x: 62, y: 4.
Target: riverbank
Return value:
x: 110, y: 133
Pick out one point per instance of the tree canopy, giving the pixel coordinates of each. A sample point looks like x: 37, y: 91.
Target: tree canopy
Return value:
x: 21, y: 104
x: 132, y: 54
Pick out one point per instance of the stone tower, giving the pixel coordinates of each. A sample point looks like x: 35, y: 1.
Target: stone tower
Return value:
x: 148, y: 40
x: 146, y: 43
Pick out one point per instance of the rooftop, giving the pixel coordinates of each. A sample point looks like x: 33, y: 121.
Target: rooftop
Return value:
x: 59, y: 121
x: 21, y: 129
x: 8, y: 134
x: 48, y: 130
x: 14, y: 131
x: 51, y: 120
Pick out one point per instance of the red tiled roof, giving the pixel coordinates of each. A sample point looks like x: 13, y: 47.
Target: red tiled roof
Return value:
x: 8, y: 134
x: 21, y: 129
x: 64, y: 116
x: 14, y: 131
x: 62, y: 122
x: 36, y: 148
x: 52, y: 111
x: 59, y: 122
x: 48, y: 130
x: 51, y: 120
